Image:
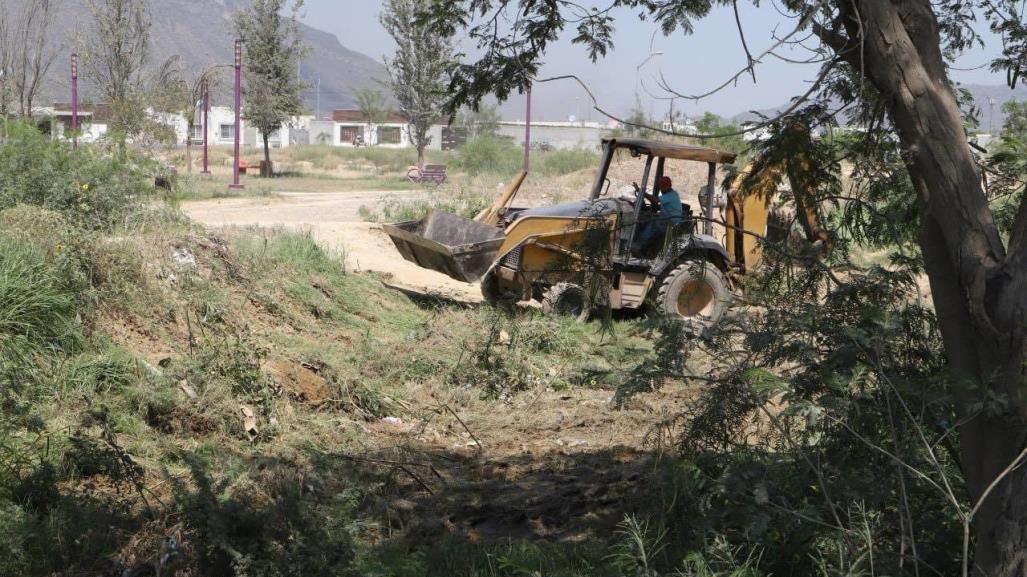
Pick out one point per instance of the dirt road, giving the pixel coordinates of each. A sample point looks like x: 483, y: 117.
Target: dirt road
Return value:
x: 334, y: 221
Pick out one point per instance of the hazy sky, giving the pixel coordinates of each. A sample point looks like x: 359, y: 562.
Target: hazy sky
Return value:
x: 692, y: 63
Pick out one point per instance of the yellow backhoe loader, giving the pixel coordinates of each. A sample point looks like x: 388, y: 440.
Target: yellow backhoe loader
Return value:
x: 575, y: 257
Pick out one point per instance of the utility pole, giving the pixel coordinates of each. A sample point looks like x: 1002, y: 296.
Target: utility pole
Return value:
x: 527, y: 133
x: 236, y: 185
x: 74, y: 100
x: 991, y: 115
x: 317, y: 113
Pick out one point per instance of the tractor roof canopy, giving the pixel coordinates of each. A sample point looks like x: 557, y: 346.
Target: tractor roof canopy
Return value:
x: 639, y: 146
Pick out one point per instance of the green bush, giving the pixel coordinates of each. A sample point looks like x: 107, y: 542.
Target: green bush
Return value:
x: 94, y: 187
x: 488, y: 154
x: 464, y: 204
x: 37, y: 308
x: 560, y: 162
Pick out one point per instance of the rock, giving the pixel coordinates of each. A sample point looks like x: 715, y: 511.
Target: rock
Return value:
x: 183, y: 259
x: 392, y: 420
x: 188, y: 390
x: 151, y: 370
x: 249, y: 422
x: 570, y: 443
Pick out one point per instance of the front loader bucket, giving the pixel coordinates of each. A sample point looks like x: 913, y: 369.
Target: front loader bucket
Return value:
x: 455, y: 246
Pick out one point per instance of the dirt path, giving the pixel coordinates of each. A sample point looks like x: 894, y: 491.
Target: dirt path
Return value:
x: 333, y: 219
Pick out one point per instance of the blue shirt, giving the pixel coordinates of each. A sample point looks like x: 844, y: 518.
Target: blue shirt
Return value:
x: 670, y: 206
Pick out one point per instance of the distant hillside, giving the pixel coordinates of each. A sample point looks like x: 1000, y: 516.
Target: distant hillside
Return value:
x: 201, y: 33
x: 999, y: 94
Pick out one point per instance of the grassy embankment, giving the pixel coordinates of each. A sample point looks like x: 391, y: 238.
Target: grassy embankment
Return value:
x: 184, y: 402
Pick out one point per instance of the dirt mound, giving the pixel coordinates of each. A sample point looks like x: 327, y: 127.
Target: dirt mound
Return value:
x: 299, y: 381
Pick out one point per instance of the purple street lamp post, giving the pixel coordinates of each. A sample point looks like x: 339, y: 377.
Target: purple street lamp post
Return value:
x: 74, y: 100
x: 206, y: 128
x: 236, y: 185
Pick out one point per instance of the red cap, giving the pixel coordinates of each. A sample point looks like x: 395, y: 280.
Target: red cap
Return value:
x: 665, y: 183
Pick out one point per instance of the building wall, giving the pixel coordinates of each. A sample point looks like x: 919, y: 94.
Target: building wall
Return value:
x: 322, y: 131
x: 89, y: 131
x: 561, y: 136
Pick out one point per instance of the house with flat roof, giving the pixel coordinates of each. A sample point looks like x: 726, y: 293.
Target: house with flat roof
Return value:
x: 350, y: 127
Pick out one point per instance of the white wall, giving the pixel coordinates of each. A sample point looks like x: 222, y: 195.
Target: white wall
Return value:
x: 559, y: 135
x: 319, y: 127
x: 89, y: 131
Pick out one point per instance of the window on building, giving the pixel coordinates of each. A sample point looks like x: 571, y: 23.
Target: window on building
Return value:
x: 389, y: 135
x: 348, y: 134
x: 227, y: 131
x: 196, y: 133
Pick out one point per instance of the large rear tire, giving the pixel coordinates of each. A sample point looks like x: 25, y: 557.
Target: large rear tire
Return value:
x: 567, y: 299
x: 695, y: 292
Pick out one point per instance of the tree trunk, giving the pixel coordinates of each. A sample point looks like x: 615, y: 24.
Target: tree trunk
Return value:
x: 420, y: 156
x: 267, y: 172
x: 979, y: 290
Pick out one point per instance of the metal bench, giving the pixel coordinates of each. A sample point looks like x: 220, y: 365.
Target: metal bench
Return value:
x: 430, y: 174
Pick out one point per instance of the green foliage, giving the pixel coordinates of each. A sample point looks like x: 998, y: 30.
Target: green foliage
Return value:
x: 489, y: 154
x: 483, y: 122
x: 88, y: 185
x: 498, y: 155
x: 373, y: 105
x: 1008, y: 165
x: 264, y: 525
x: 1015, y: 125
x: 418, y: 71
x: 36, y: 306
x: 391, y: 209
x: 714, y: 132
x: 273, y: 50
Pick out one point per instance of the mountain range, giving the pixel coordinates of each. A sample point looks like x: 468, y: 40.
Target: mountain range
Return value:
x: 201, y: 33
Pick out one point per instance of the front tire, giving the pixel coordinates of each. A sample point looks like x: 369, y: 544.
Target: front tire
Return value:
x: 567, y: 299
x: 695, y: 292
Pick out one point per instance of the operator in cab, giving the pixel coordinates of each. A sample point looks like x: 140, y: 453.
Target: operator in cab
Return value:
x: 670, y: 213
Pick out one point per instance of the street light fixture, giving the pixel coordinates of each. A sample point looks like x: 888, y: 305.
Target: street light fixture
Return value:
x: 74, y: 100
x: 236, y: 185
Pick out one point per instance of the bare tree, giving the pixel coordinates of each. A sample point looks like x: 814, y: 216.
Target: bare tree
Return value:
x: 5, y: 58
x: 33, y: 51
x: 418, y: 71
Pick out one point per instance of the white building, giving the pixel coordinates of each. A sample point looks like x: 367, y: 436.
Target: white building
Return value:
x: 351, y: 128
x: 93, y: 121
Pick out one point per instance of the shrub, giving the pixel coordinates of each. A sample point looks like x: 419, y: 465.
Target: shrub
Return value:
x: 488, y: 154
x: 92, y: 186
x: 560, y: 162
x: 465, y: 204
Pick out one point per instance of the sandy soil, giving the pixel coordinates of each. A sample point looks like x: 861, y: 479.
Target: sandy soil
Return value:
x: 333, y: 219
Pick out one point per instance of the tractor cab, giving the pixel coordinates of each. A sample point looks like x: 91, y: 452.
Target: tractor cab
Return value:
x: 656, y: 155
